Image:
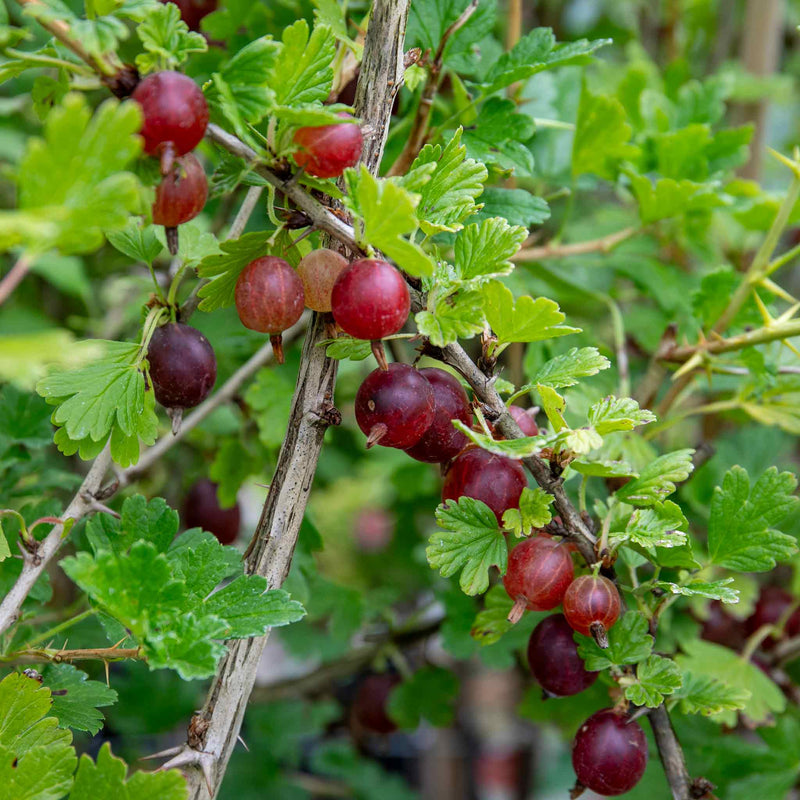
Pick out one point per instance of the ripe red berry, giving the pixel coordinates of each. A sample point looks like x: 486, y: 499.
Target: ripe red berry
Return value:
x: 192, y: 11
x: 773, y: 602
x: 442, y: 441
x: 269, y: 298
x: 326, y: 151
x: 175, y: 115
x: 370, y: 703
x: 201, y: 509
x: 539, y: 571
x: 370, y: 299
x: 524, y: 419
x: 318, y: 271
x: 394, y: 407
x: 495, y: 480
x: 609, y: 753
x: 554, y: 660
x: 182, y: 366
x: 181, y: 194
x: 592, y: 606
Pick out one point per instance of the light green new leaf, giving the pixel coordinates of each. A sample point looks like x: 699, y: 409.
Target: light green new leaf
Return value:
x: 72, y: 185
x: 167, y: 40
x: 567, y: 369
x: 553, y: 405
x: 602, y: 136
x: 76, y: 699
x: 671, y: 198
x: 655, y: 678
x: 629, y: 642
x: 512, y: 448
x: 714, y: 590
x: 136, y: 242
x: 303, y: 72
x: 661, y: 525
x: 657, y: 480
x: 604, y: 469
x: 471, y: 541
x: 5, y: 550
x: 453, y: 317
x: 534, y: 53
x: 534, y: 512
x: 741, y: 532
x: 516, y: 206
x: 448, y: 196
x: 526, y: 320
x: 106, y: 779
x: 430, y: 693
x: 386, y: 214
x: 482, y: 249
x: 618, y: 414
x: 704, y: 694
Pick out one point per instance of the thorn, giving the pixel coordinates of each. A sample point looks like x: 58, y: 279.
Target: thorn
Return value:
x: 244, y: 743
x: 108, y: 674
x: 643, y: 711
x: 206, y: 768
x: 115, y: 646
x: 170, y: 751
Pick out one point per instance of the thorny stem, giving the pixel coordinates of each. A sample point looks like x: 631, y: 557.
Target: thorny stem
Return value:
x: 604, y: 245
x: 14, y: 276
x: 61, y: 656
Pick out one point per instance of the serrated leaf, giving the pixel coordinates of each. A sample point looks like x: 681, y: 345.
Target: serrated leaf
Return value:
x: 704, y: 694
x: 534, y: 53
x: 471, y: 541
x: 604, y: 469
x: 448, y: 196
x: 167, y: 40
x: 670, y: 198
x: 136, y: 242
x: 386, y: 214
x: 452, y: 317
x: 223, y: 270
x: 661, y: 525
x: 430, y: 693
x: 714, y: 590
x: 347, y: 347
x: 523, y: 320
x: 250, y: 609
x: 482, y: 249
x: 618, y: 414
x: 629, y: 642
x: 657, y: 480
x: 512, y: 448
x: 76, y: 699
x: 499, y: 136
x: 516, y: 206
x: 533, y: 512
x: 303, y: 71
x: 741, y: 535
x: 602, y: 136
x: 656, y: 678
x: 567, y: 369
x: 72, y: 184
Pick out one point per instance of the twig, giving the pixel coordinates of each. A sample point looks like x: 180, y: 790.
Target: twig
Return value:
x: 669, y: 750
x: 13, y: 277
x: 106, y: 654
x: 605, y: 244
x: 419, y: 128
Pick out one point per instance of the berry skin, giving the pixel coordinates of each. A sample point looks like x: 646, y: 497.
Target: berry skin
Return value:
x: 318, y: 271
x: 609, y: 754
x: 175, y: 115
x: 182, y: 365
x: 326, y: 151
x: 524, y: 420
x: 442, y: 441
x: 592, y: 606
x: 369, y: 705
x: 182, y: 193
x: 723, y: 628
x: 394, y: 407
x: 539, y: 572
x: 554, y: 660
x: 201, y: 509
x: 269, y: 298
x: 772, y: 604
x: 370, y: 299
x: 192, y: 11
x: 495, y: 480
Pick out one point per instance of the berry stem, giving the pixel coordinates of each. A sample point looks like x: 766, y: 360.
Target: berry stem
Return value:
x: 378, y: 352
x: 276, y: 340
x: 517, y: 610
x: 172, y: 240
x: 376, y: 433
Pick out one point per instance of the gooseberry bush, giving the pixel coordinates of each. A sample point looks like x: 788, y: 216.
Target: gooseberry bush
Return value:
x: 357, y: 356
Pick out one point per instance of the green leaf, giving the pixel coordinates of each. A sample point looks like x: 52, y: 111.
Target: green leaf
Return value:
x: 223, y: 270
x: 24, y: 419
x: 106, y: 398
x: 516, y: 206
x: 430, y: 693
x: 534, y: 53
x: 347, y: 347
x: 233, y: 463
x: 76, y: 699
x: 714, y: 590
x: 386, y: 214
x: 471, y: 541
x: 5, y: 550
x: 448, y: 197
x: 526, y: 320
x: 72, y: 186
x: 250, y: 609
x: 618, y: 414
x: 604, y: 469
x: 567, y: 369
x: 270, y: 397
x: 657, y: 480
x: 661, y: 525
x: 704, y: 660
x: 511, y: 448
x: 655, y: 678
x: 106, y: 778
x: 670, y: 198
x: 303, y: 72
x: 499, y: 136
x: 706, y: 695
x: 167, y: 40
x: 534, y: 512
x: 629, y: 642
x: 491, y: 625
x: 741, y: 532
x: 36, y: 756
x: 136, y: 242
x: 554, y: 406
x: 451, y: 317
x: 482, y: 249
x: 601, y: 138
